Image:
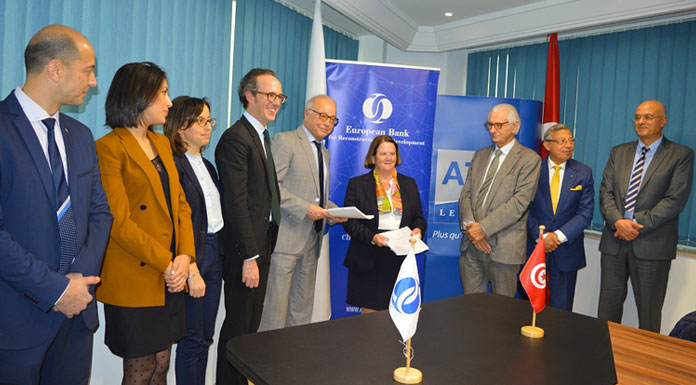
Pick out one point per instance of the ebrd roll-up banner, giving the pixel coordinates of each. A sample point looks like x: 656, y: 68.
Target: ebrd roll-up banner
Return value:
x: 376, y: 99
x: 459, y: 132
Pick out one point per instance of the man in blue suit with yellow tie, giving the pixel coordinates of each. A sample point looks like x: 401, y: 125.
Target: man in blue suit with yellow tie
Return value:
x: 564, y: 203
x: 54, y: 217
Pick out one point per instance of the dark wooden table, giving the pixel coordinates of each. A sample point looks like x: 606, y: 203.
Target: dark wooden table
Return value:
x: 472, y: 339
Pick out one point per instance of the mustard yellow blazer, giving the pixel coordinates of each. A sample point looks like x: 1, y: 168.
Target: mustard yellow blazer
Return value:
x: 138, y: 251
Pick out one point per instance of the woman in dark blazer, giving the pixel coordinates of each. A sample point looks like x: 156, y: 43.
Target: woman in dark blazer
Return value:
x: 150, y: 248
x: 394, y: 201
x: 188, y: 128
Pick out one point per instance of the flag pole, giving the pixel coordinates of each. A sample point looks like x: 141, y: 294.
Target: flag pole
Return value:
x: 534, y: 331
x: 408, y: 375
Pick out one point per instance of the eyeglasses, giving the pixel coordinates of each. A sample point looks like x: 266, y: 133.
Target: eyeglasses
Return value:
x: 203, y: 121
x: 497, y: 126
x: 562, y: 141
x: 324, y: 116
x: 272, y: 96
x: 646, y: 117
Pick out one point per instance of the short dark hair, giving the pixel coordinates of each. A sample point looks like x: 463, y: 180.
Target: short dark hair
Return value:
x: 248, y: 83
x: 183, y: 113
x: 44, y: 47
x: 134, y: 87
x: 372, y: 151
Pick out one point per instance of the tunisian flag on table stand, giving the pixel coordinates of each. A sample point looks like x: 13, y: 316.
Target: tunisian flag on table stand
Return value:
x: 552, y: 95
x: 533, y: 277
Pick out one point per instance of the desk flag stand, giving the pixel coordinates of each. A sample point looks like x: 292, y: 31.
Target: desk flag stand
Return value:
x: 408, y: 375
x: 534, y: 331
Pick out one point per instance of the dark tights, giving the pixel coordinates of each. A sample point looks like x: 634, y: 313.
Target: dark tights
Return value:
x: 147, y: 370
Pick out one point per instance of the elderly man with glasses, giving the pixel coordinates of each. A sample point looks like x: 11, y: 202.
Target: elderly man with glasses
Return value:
x: 493, y: 207
x: 302, y: 164
x: 564, y: 203
x: 645, y: 186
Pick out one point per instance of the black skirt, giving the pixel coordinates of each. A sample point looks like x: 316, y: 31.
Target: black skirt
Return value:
x: 140, y: 331
x: 372, y: 289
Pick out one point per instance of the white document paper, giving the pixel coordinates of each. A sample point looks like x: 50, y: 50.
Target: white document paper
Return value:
x: 398, y: 241
x: 351, y: 212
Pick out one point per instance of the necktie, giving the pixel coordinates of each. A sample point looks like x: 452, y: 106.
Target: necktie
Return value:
x: 272, y: 183
x: 634, y: 182
x: 490, y: 174
x: 64, y: 211
x: 554, y: 187
x: 320, y: 158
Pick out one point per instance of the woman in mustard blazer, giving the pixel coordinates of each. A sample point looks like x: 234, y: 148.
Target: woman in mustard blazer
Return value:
x: 151, y: 244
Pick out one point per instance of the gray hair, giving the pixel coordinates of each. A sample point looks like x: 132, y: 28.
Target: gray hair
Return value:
x: 554, y: 128
x: 312, y: 101
x: 513, y: 116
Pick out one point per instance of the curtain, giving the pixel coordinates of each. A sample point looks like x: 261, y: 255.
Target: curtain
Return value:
x: 603, y: 79
x: 189, y: 39
x: 270, y: 35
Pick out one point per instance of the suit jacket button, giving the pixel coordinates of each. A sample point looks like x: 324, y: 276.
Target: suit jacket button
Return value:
x: 143, y: 207
x: 142, y: 263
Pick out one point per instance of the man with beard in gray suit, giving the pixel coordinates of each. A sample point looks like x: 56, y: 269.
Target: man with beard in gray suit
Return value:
x: 493, y: 207
x: 645, y: 186
x: 302, y: 164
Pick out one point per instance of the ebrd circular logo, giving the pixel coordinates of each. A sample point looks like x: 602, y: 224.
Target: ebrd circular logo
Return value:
x: 406, y: 296
x: 377, y: 108
x: 538, y: 276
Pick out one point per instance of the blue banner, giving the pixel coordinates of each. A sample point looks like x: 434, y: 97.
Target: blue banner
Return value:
x: 458, y: 133
x: 373, y: 100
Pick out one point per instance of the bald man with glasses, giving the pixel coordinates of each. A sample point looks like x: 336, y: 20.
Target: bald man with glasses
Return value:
x: 302, y: 164
x: 645, y: 186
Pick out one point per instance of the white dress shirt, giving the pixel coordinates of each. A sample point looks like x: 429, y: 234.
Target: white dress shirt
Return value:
x: 211, y: 195
x: 561, y: 237
x: 35, y: 113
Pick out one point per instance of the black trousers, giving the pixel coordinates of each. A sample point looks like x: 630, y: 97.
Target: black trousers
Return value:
x: 243, y: 309
x: 649, y: 282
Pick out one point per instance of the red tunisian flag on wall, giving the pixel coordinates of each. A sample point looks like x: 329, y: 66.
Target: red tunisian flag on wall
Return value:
x: 533, y: 277
x: 552, y: 96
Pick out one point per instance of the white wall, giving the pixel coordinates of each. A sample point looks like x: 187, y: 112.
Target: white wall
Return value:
x: 680, y: 290
x: 107, y: 369
x: 452, y: 64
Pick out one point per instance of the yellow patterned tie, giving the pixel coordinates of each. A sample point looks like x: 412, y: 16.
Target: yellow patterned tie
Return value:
x: 555, y: 186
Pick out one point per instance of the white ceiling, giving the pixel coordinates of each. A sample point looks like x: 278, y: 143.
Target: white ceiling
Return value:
x: 420, y: 25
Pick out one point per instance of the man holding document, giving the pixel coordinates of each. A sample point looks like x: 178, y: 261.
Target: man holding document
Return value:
x: 394, y: 201
x: 302, y: 166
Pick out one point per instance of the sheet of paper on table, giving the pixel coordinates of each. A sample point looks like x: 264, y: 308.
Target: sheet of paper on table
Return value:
x: 351, y: 212
x: 398, y: 241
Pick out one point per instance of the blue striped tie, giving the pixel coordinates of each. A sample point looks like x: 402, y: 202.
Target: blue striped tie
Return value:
x: 634, y: 182
x: 64, y: 211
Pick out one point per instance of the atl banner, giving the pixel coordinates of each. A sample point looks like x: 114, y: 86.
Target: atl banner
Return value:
x: 373, y: 100
x: 459, y: 132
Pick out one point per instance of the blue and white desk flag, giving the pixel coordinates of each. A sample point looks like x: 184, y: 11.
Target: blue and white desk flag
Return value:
x: 404, y: 305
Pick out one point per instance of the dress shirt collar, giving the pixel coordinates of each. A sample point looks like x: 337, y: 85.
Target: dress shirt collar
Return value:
x: 552, y: 164
x: 506, y: 148
x: 653, y: 147
x: 311, y: 137
x: 33, y: 111
x: 260, y: 128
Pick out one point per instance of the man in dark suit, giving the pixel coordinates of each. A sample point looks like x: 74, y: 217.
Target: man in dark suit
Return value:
x: 251, y: 210
x: 493, y: 207
x: 564, y: 203
x: 644, y: 188
x: 54, y: 217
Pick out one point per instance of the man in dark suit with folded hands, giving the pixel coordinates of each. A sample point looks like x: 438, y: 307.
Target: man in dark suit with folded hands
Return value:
x: 645, y: 186
x: 251, y: 210
x: 54, y: 217
x: 564, y: 203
